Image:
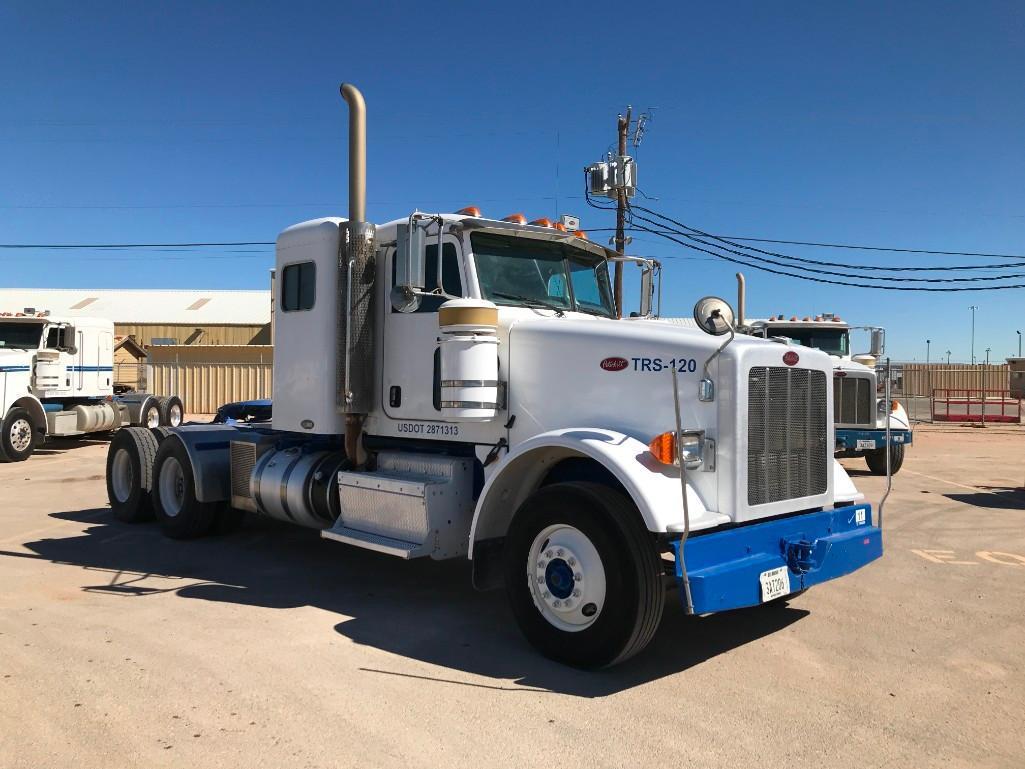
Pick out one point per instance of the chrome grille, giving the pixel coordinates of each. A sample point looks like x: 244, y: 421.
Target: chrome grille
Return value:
x: 787, y: 455
x: 853, y: 401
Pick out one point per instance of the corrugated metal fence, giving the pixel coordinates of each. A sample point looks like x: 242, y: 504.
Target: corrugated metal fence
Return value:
x: 205, y: 386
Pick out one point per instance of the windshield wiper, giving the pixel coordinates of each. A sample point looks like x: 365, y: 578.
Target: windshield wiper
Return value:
x: 531, y: 302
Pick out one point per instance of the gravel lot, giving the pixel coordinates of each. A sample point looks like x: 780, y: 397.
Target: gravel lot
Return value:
x: 272, y: 648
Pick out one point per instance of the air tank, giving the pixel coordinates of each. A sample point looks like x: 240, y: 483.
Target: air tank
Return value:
x: 469, y: 360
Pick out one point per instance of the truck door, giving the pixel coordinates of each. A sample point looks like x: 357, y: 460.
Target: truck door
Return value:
x: 410, y: 366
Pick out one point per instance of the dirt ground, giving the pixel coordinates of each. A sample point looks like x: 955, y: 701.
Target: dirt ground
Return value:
x: 272, y: 648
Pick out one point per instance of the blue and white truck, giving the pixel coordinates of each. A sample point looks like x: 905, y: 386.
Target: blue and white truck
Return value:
x: 451, y: 385
x: 57, y: 380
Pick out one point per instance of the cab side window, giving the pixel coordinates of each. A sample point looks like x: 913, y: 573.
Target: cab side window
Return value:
x: 298, y: 286
x: 451, y: 277
x: 56, y: 338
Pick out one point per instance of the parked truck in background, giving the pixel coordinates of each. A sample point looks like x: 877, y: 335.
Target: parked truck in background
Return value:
x: 449, y: 385
x: 860, y: 413
x: 56, y: 380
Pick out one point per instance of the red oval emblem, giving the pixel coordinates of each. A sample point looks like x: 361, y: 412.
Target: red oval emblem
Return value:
x: 790, y: 358
x: 840, y: 374
x: 614, y: 364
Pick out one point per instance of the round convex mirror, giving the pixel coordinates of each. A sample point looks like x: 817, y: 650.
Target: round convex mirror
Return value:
x: 713, y: 315
x: 404, y: 299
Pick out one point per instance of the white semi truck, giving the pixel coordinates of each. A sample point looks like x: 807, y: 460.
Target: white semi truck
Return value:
x: 860, y: 414
x: 449, y: 386
x: 57, y: 380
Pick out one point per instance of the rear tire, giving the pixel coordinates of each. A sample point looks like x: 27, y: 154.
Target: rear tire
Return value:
x: 583, y: 575
x: 175, y: 506
x: 172, y: 412
x: 19, y: 435
x: 876, y: 460
x: 150, y: 416
x: 130, y: 459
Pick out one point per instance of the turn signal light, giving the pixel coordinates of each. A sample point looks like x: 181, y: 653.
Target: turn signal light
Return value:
x: 515, y: 218
x: 894, y: 405
x: 663, y: 448
x: 469, y: 211
x: 544, y: 221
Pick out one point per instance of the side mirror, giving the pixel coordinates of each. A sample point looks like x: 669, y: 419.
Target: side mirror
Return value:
x: 647, y: 290
x: 714, y: 315
x: 878, y: 343
x: 72, y: 350
x: 410, y: 266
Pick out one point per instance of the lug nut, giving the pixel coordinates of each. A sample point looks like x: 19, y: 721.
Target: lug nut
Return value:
x: 560, y: 552
x: 578, y: 577
x: 548, y: 554
x: 576, y: 593
x: 556, y: 603
x: 572, y: 561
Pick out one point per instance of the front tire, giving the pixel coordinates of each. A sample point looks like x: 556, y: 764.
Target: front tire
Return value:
x: 583, y: 575
x: 18, y: 440
x: 179, y: 513
x: 876, y: 460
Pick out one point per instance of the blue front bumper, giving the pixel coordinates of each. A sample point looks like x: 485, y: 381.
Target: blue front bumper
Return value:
x: 724, y: 566
x: 847, y: 439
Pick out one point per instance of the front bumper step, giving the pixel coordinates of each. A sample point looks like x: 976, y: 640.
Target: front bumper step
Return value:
x: 724, y: 567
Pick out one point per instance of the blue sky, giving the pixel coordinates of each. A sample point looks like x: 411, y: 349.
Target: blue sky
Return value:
x: 896, y: 124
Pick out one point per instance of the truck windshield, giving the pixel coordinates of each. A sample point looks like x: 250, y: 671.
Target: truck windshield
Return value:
x: 528, y: 272
x: 21, y: 335
x: 834, y: 341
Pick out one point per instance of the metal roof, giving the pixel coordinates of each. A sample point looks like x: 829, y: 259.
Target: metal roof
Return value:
x: 193, y: 307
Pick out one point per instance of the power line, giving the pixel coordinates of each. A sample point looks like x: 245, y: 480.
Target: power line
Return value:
x: 802, y: 260
x: 136, y: 245
x: 762, y: 267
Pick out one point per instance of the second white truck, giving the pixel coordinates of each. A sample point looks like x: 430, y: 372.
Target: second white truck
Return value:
x: 57, y: 380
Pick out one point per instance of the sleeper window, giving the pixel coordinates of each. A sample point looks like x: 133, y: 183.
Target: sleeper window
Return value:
x: 298, y: 286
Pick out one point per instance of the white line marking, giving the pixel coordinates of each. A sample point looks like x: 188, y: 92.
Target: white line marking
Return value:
x: 960, y: 485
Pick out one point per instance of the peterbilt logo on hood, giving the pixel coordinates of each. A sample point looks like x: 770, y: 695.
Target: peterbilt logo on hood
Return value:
x: 791, y: 358
x: 614, y: 364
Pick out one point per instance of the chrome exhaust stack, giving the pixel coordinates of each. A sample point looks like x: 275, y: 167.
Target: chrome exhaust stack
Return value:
x: 356, y: 273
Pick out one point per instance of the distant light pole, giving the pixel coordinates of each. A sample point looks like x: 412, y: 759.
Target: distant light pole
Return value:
x: 987, y: 355
x: 929, y: 341
x: 973, y: 308
x: 1019, y: 344
x: 948, y: 357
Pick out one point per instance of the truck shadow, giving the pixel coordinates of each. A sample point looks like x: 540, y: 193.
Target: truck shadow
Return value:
x: 58, y: 446
x: 421, y: 609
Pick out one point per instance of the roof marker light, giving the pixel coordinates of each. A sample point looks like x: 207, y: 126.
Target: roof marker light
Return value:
x: 793, y: 317
x: 560, y: 226
x: 515, y: 218
x: 469, y: 211
x: 544, y: 221
x: 581, y: 234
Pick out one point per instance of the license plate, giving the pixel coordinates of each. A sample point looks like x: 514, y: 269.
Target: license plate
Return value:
x: 866, y: 444
x: 775, y: 583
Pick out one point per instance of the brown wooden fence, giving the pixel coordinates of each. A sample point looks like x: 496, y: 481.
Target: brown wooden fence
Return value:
x: 922, y: 378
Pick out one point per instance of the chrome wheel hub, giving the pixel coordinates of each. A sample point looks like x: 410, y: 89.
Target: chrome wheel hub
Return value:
x: 566, y: 577
x: 121, y: 476
x: 21, y: 435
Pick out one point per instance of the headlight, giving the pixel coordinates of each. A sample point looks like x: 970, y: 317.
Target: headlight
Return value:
x: 691, y: 443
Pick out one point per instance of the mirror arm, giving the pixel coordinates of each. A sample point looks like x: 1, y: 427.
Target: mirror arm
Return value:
x: 706, y: 387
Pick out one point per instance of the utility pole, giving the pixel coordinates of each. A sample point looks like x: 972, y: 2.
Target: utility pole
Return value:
x: 948, y: 357
x: 623, y: 127
x: 927, y: 343
x: 987, y: 355
x: 1019, y: 344
x: 973, y: 308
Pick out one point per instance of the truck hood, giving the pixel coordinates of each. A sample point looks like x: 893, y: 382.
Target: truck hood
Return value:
x: 577, y: 372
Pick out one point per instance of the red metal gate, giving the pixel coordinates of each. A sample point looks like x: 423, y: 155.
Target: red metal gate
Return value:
x: 974, y: 405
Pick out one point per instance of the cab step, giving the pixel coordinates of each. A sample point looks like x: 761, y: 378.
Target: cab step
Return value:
x: 377, y: 542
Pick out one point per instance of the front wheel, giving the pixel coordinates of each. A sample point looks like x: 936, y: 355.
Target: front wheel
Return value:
x: 876, y: 460
x: 18, y: 440
x: 583, y: 575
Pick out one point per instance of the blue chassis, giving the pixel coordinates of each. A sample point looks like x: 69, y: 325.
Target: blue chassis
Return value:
x: 847, y: 439
x: 724, y: 566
